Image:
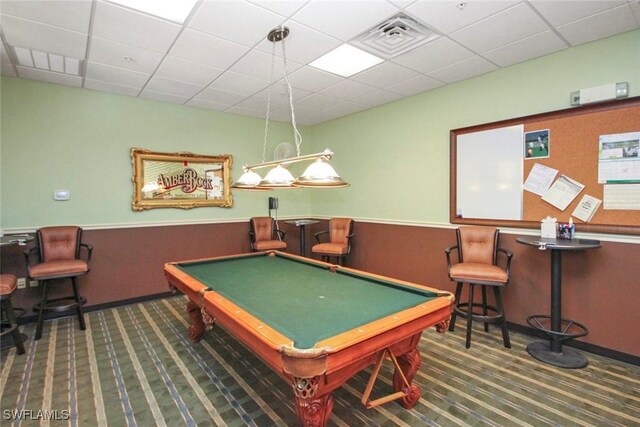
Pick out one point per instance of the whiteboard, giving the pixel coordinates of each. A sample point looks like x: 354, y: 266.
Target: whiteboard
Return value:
x: 489, y: 174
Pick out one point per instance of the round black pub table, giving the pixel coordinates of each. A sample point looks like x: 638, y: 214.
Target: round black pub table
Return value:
x: 302, y: 223
x: 552, y: 352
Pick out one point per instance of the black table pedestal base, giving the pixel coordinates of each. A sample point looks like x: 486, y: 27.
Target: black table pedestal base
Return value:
x: 567, y: 358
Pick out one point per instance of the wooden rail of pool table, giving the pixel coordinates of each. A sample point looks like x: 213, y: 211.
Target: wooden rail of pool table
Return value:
x: 314, y: 373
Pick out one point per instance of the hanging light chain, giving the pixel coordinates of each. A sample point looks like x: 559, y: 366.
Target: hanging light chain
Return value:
x: 296, y: 135
x: 266, y: 123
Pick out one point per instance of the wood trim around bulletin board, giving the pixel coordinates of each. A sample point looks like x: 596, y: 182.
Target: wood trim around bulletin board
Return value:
x: 574, y: 136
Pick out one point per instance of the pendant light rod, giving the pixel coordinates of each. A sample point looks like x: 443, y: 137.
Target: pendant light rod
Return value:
x: 326, y: 154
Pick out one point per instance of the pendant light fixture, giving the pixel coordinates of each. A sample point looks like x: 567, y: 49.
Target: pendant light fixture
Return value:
x: 318, y: 175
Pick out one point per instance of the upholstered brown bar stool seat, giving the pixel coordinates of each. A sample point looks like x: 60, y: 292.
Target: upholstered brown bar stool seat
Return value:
x: 59, y: 252
x: 8, y: 283
x: 339, y: 245
x: 264, y: 236
x: 478, y: 251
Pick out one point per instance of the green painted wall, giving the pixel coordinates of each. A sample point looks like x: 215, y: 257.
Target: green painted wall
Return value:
x: 57, y: 137
x: 396, y: 156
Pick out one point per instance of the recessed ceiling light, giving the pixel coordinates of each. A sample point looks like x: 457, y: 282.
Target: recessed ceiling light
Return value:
x: 173, y: 10
x: 346, y: 61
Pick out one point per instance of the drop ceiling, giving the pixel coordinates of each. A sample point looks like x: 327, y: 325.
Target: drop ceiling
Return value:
x: 219, y: 58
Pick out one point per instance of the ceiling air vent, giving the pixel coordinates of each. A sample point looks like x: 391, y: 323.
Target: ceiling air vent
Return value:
x: 396, y: 35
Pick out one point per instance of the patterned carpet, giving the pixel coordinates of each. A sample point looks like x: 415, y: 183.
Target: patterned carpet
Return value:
x: 134, y: 366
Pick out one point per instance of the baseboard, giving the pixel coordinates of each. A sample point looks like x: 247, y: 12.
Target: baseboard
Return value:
x: 580, y: 345
x: 34, y: 317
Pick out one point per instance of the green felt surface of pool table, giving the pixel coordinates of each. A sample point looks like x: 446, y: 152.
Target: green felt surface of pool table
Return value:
x: 303, y: 300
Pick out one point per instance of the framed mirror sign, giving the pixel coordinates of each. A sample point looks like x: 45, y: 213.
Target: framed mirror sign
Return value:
x: 180, y: 180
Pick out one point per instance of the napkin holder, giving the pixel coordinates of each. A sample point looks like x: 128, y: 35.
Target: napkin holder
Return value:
x: 549, y: 228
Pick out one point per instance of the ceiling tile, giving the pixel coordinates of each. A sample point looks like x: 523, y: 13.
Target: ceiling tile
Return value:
x: 463, y: 70
x: 312, y: 79
x: 283, y: 114
x: 45, y: 38
x: 563, y: 12
x: 199, y: 103
x: 219, y: 97
x: 110, y: 87
x: 258, y: 104
x: 347, y: 89
x: 238, y: 83
x: 172, y: 87
x: 605, y: 24
x: 346, y: 108
x: 635, y: 7
x: 316, y: 116
x: 250, y: 24
x: 208, y: 50
x: 158, y: 96
x: 344, y: 19
x: 317, y: 100
x: 402, y: 3
x: 384, y: 75
x: 122, y: 55
x: 192, y: 72
x: 302, y: 45
x: 416, y: 85
x: 377, y: 97
x: 5, y: 63
x: 282, y: 7
x: 244, y: 111
x: 500, y: 29
x: 119, y: 76
x: 258, y: 65
x: 526, y: 49
x: 434, y: 55
x: 445, y: 16
x: 72, y: 15
x: 127, y: 26
x: 48, y: 76
x: 279, y: 95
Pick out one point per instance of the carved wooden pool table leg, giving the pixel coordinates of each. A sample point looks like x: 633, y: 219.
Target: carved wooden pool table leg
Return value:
x: 312, y: 411
x: 196, y: 329
x: 409, y: 363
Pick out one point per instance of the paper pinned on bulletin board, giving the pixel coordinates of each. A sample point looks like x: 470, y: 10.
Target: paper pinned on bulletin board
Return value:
x: 619, y: 157
x: 540, y: 179
x: 586, y: 208
x: 622, y: 196
x: 562, y: 192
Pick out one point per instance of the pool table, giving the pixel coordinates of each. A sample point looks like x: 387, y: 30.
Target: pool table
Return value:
x: 314, y: 323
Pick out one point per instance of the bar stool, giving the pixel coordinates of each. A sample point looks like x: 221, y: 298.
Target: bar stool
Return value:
x: 478, y: 251
x: 8, y: 283
x: 59, y: 251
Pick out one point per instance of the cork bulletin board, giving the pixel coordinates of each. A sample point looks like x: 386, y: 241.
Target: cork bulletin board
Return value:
x: 573, y: 136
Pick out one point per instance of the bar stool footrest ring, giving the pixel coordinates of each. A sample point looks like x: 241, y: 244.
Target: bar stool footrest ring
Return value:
x: 54, y: 304
x: 563, y: 334
x: 462, y: 310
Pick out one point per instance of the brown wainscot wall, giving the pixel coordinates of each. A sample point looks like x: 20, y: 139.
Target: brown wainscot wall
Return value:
x: 601, y: 287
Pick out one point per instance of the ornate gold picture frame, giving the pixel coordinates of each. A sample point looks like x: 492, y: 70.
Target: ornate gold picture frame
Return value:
x: 180, y: 180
